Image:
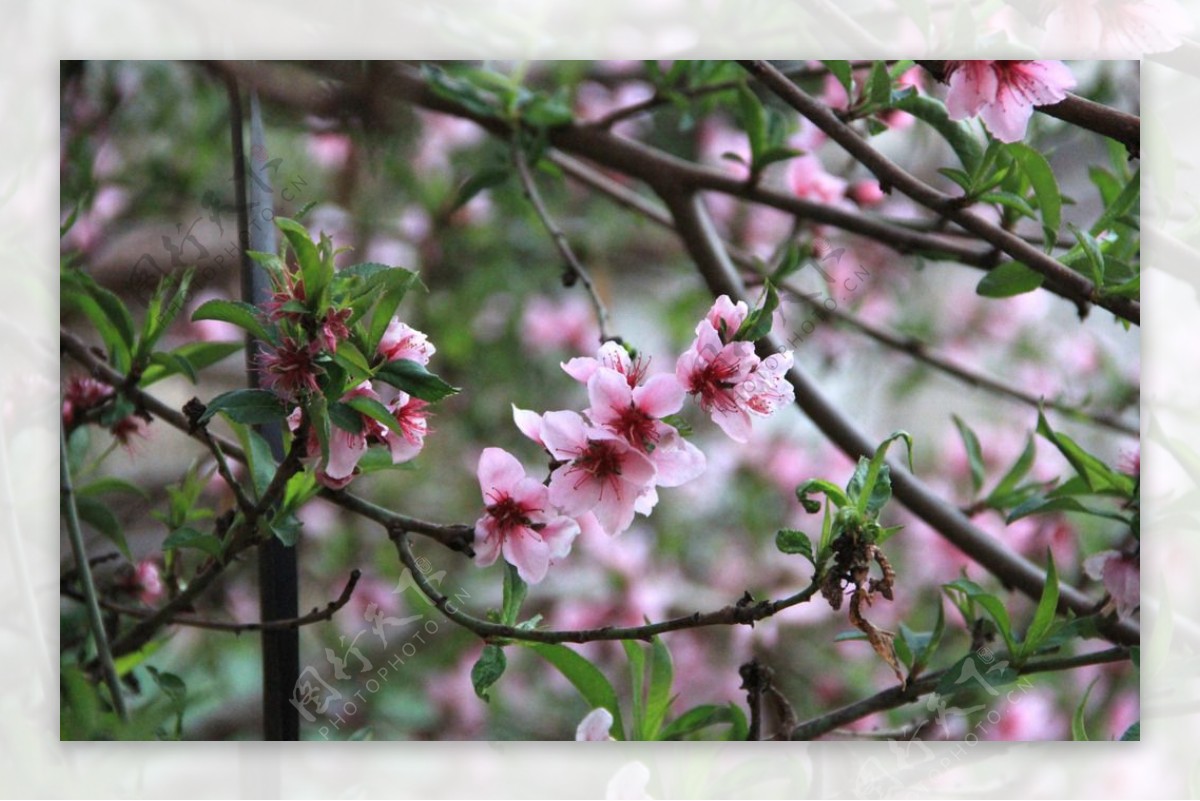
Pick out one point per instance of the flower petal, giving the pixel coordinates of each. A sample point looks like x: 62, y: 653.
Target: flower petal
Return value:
x: 526, y: 551
x: 499, y: 471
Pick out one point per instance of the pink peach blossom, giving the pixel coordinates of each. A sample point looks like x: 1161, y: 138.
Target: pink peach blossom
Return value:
x: 602, y: 473
x: 567, y: 324
x: 1004, y: 93
x: 611, y: 356
x: 810, y: 181
x: 595, y: 726
x: 401, y: 341
x: 519, y: 520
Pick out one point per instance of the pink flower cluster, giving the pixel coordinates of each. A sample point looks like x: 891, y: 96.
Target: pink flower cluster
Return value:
x: 608, y: 461
x: 346, y: 448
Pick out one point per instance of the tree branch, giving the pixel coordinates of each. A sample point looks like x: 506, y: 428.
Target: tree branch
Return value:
x: 700, y: 238
x: 746, y: 612
x: 890, y: 174
x: 574, y: 265
x: 315, y: 616
x: 897, y: 696
x: 908, y: 345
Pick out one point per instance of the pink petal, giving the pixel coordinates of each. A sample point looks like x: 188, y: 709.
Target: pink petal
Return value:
x: 564, y: 434
x: 677, y: 461
x: 498, y: 471
x: 636, y: 468
x: 529, y: 423
x: 595, y: 726
x: 345, y: 449
x: 615, y: 509
x: 573, y: 492
x: 646, y: 500
x: 661, y: 396
x: 1046, y: 82
x: 531, y: 495
x: 580, y: 368
x: 526, y: 551
x: 972, y: 86
x: 487, y: 541
x: 735, y: 424
x: 1007, y: 118
x: 609, y: 395
x: 559, y: 534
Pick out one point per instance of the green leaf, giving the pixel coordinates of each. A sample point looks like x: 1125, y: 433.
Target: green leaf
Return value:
x: 1043, y: 617
x: 962, y: 140
x: 514, y: 594
x: 831, y: 491
x: 286, y: 528
x: 1124, y: 203
x: 997, y: 497
x: 586, y: 678
x: 173, y: 363
x: 1040, y: 505
x: 697, y: 719
x: 243, y: 315
x: 487, y: 178
x: 352, y: 360
x: 196, y: 355
x: 1098, y: 476
x: 78, y: 444
x: 923, y: 656
x: 260, y: 460
x: 1078, y: 729
x: 251, y: 406
x: 758, y: 322
x: 790, y: 541
x: 376, y: 411
x: 845, y: 75
x: 413, y: 378
x: 164, y: 306
x: 957, y: 176
x: 105, y: 311
x: 108, y: 484
x: 658, y: 696
x: 974, y: 452
x: 972, y: 673
x: 488, y: 669
x: 637, y: 678
x: 187, y: 537
x: 1091, y: 250
x: 1045, y: 188
x: 316, y: 271
x: 754, y: 121
x: 1133, y: 733
x: 101, y: 518
x: 1009, y: 279
x: 879, y: 85
x: 391, y: 287
x: 870, y: 487
x: 990, y: 604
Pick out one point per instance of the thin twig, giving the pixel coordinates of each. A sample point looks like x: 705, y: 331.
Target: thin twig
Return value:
x: 1082, y: 291
x: 580, y: 273
x: 897, y: 696
x: 911, y: 346
x: 740, y: 613
x: 315, y: 616
x: 244, y: 503
x: 90, y: 598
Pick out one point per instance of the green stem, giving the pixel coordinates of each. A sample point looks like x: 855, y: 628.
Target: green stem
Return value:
x: 85, y: 579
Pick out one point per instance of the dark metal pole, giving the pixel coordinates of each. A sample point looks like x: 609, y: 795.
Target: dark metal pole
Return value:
x: 278, y: 585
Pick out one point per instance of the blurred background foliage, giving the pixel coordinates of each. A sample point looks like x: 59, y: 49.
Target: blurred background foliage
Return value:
x: 146, y: 164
